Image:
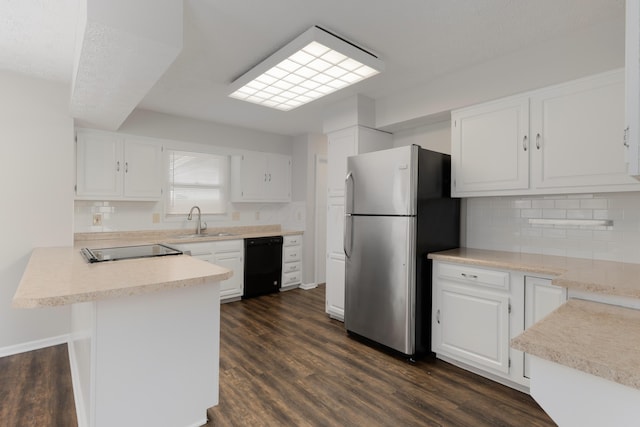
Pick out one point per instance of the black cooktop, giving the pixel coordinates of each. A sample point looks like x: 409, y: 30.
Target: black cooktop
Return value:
x: 128, y: 252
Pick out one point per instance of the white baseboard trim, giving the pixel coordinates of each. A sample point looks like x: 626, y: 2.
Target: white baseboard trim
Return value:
x: 308, y: 286
x: 10, y: 350
x: 81, y: 414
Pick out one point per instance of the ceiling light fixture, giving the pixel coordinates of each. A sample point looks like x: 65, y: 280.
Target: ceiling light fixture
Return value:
x: 311, y: 66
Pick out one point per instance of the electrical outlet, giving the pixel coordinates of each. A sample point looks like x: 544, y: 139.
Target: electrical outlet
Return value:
x: 257, y: 215
x: 155, y: 218
x: 97, y: 219
x: 235, y: 216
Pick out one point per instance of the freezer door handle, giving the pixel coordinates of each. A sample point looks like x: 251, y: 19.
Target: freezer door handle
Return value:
x: 349, y: 199
x: 348, y: 235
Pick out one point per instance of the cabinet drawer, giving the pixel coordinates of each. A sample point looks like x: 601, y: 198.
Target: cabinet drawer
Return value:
x: 228, y: 246
x: 291, y: 278
x: 291, y: 253
x: 292, y: 240
x: 474, y: 275
x: 289, y: 267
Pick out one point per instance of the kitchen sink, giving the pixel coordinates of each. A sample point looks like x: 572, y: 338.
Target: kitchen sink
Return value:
x: 202, y: 235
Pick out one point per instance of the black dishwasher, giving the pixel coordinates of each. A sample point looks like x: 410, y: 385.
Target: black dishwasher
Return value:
x: 262, y: 266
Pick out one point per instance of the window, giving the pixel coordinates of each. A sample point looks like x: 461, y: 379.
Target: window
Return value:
x: 197, y: 179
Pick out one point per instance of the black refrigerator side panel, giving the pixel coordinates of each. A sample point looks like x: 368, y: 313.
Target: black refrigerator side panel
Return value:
x: 438, y: 229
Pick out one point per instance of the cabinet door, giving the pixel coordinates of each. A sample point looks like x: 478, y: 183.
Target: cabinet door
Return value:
x: 341, y: 145
x: 540, y: 299
x: 632, y: 87
x: 472, y: 325
x: 490, y: 147
x: 142, y: 169
x: 253, y: 176
x: 99, y: 165
x: 278, y: 178
x: 576, y: 134
x: 233, y: 286
x: 335, y: 258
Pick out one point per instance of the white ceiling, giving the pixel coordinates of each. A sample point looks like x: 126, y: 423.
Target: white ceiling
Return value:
x: 419, y: 40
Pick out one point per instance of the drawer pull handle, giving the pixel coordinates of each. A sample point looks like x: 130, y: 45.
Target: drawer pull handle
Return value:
x: 469, y: 276
x: 438, y: 316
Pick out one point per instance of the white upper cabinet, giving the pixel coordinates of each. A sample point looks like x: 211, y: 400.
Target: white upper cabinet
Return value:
x: 490, y: 146
x: 576, y: 133
x: 562, y: 139
x: 261, y: 177
x: 111, y: 166
x: 631, y: 139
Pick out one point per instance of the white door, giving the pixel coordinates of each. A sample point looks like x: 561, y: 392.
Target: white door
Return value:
x: 576, y: 134
x: 231, y: 287
x: 142, y: 169
x: 472, y: 325
x: 253, y: 176
x: 278, y: 178
x: 321, y: 219
x: 341, y: 145
x: 490, y: 146
x: 540, y: 299
x: 99, y: 167
x: 335, y: 258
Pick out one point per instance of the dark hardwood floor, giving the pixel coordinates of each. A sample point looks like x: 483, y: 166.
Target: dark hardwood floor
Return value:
x: 35, y: 389
x: 283, y: 362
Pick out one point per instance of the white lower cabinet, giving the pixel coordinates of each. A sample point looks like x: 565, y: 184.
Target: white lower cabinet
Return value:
x: 540, y: 299
x: 226, y: 253
x: 477, y: 311
x: 291, y: 262
x: 471, y: 317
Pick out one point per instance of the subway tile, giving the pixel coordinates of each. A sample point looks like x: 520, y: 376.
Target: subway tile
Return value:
x: 580, y: 234
x: 542, y: 203
x: 594, y: 204
x: 531, y: 213
x: 567, y: 204
x: 554, y: 213
x: 521, y: 204
x: 554, y: 233
x: 579, y: 214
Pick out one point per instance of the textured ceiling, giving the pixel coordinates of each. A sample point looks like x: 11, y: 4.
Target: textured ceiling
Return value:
x: 419, y: 40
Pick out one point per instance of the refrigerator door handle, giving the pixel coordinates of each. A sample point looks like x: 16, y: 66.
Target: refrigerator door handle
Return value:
x: 348, y: 235
x: 349, y: 193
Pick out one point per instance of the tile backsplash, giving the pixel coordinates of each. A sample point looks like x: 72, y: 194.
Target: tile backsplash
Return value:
x: 503, y: 223
x: 130, y: 216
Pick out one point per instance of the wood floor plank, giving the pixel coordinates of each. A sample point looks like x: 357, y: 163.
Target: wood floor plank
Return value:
x: 36, y: 390
x: 284, y: 362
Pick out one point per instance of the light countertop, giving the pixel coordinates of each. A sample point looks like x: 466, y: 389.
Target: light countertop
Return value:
x: 60, y: 275
x: 595, y: 338
x: 107, y: 239
x: 602, y: 277
x: 592, y: 337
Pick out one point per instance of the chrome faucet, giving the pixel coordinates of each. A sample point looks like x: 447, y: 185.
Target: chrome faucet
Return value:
x: 199, y: 227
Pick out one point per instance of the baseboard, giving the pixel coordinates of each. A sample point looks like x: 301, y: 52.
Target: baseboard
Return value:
x: 493, y: 377
x: 34, y: 345
x: 288, y: 287
x: 81, y: 414
x: 308, y: 286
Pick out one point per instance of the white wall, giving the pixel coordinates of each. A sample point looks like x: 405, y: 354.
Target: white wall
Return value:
x: 305, y: 150
x: 36, y: 136
x: 435, y: 137
x: 502, y: 223
x: 596, y: 49
x: 166, y: 126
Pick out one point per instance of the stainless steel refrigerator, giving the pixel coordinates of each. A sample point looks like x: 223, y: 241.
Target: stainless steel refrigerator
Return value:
x: 397, y: 209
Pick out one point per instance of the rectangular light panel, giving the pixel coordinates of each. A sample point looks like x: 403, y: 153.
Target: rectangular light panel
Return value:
x: 315, y: 64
